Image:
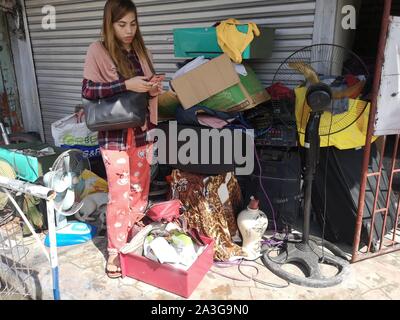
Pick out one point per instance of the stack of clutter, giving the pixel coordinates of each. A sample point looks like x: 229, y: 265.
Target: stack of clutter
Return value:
x: 209, y: 93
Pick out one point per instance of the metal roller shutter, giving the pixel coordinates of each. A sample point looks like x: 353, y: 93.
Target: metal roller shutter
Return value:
x: 59, y: 54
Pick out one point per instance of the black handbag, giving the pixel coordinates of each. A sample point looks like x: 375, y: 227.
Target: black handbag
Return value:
x: 123, y: 110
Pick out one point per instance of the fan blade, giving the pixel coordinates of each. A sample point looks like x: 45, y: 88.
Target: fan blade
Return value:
x: 351, y: 92
x: 67, y: 159
x: 60, y: 182
x: 47, y: 178
x: 74, y: 209
x: 68, y: 200
x: 308, y: 72
x: 58, y: 200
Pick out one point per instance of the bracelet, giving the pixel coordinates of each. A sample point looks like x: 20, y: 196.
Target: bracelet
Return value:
x: 153, y: 96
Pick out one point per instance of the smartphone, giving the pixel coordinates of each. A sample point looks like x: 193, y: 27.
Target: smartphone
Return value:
x: 157, y: 77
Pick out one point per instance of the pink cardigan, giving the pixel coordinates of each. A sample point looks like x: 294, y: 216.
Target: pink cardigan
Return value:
x: 99, y: 67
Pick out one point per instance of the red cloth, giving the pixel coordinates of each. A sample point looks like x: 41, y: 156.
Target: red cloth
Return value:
x: 351, y: 80
x: 279, y: 91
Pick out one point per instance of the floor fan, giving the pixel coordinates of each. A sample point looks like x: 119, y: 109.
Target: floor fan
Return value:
x: 328, y: 76
x: 65, y: 179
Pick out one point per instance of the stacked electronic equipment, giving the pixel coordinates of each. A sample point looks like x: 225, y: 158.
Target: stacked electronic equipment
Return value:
x: 276, y: 143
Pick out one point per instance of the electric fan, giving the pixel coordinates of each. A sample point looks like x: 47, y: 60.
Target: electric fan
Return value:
x: 327, y: 79
x: 65, y: 179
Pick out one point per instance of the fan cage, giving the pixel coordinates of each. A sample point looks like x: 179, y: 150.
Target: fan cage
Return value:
x: 329, y: 61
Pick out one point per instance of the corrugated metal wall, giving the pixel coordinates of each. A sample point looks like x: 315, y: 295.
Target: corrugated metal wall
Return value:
x: 59, y: 54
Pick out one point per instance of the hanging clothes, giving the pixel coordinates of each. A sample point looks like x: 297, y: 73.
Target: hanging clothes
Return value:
x: 232, y: 41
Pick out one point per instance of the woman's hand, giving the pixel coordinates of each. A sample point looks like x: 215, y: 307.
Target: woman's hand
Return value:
x: 156, y: 90
x: 139, y: 84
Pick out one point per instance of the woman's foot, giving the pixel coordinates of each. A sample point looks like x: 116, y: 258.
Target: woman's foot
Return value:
x: 113, y: 267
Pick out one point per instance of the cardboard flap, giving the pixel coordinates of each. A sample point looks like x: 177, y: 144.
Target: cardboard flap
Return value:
x: 205, y: 81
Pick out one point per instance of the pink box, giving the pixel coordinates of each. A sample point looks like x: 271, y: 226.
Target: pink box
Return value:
x: 167, y: 277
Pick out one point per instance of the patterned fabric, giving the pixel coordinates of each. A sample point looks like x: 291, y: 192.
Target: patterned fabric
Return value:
x: 115, y: 139
x: 98, y: 90
x: 128, y: 175
x: 212, y: 204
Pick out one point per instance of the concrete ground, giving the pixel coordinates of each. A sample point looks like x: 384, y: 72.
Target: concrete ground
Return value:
x: 82, y: 277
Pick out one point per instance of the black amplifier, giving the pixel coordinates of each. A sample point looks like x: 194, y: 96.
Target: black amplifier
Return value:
x: 278, y: 135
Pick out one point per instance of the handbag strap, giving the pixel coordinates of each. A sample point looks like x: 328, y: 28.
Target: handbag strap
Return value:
x: 129, y: 137
x: 79, y: 115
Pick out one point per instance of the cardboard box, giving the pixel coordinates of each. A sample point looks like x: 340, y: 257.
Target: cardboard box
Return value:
x: 194, y: 42
x: 165, y: 276
x: 27, y: 167
x: 245, y: 94
x: 205, y: 81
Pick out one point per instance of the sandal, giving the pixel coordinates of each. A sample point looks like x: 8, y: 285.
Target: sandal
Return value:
x: 113, y: 271
x: 114, y: 274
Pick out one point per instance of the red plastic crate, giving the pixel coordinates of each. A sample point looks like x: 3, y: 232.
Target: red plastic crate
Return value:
x: 167, y: 277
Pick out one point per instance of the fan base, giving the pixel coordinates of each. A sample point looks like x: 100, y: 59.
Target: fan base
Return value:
x: 308, y: 258
x: 73, y: 233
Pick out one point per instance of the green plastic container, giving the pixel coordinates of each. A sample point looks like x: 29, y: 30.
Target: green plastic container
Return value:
x: 195, y: 42
x: 28, y: 168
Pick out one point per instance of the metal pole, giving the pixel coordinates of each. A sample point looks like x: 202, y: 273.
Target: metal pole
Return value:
x: 311, y: 144
x: 25, y: 187
x: 2, y: 127
x: 4, y: 134
x: 53, y: 249
x: 367, y: 150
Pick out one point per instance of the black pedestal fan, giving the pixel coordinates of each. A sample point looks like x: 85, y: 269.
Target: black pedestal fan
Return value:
x: 323, y: 70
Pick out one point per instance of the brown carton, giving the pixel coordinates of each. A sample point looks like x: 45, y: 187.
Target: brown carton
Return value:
x: 205, y: 81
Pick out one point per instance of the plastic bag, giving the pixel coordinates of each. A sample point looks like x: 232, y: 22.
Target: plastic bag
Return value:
x: 90, y: 183
x: 72, y: 132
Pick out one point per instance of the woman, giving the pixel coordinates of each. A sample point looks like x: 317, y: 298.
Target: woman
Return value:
x: 118, y: 63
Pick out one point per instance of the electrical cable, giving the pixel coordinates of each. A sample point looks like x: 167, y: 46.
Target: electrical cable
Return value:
x: 268, y: 284
x: 263, y: 190
x: 242, y: 263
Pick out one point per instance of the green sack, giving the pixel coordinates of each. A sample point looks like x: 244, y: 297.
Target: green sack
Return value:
x: 34, y: 216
